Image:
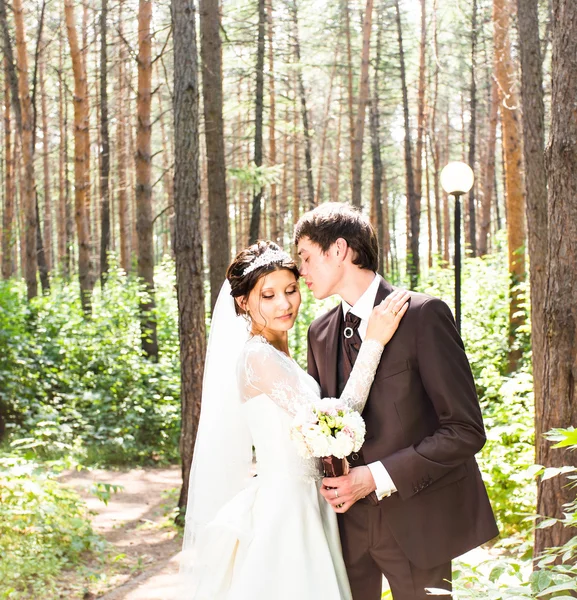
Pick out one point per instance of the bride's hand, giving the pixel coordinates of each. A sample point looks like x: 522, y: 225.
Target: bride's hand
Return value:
x: 386, y: 316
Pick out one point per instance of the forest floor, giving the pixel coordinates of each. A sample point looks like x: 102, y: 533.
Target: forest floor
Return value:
x: 143, y: 549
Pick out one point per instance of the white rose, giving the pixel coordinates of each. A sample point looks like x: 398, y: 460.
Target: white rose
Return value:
x: 320, y: 445
x: 342, y: 445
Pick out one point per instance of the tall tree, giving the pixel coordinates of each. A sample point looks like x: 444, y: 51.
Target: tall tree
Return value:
x: 412, y: 201
x: 516, y: 236
x: 143, y: 158
x: 489, y: 171
x: 47, y: 221
x: 122, y: 149
x: 420, y: 120
x: 361, y: 108
x: 258, y: 122
x: 434, y: 138
x: 377, y: 205
x: 211, y: 58
x: 24, y: 120
x: 8, y: 212
x: 304, y: 111
x: 187, y: 234
x: 104, y: 146
x: 81, y: 159
x: 274, y: 212
x: 557, y: 407
x: 347, y: 24
x: 535, y: 184
x: 473, y: 130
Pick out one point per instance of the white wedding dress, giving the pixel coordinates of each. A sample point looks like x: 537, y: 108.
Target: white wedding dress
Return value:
x: 278, y: 538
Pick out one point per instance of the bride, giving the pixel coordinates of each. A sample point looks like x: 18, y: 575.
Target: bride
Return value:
x: 265, y: 532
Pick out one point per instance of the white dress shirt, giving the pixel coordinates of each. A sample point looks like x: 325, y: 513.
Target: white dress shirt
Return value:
x: 363, y: 309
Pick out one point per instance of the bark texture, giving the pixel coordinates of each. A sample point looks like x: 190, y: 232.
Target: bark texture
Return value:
x: 535, y: 184
x: 28, y: 188
x: 361, y: 108
x: 187, y: 234
x: 559, y: 400
x: 512, y: 140
x: 144, y: 220
x: 211, y: 58
x: 81, y: 159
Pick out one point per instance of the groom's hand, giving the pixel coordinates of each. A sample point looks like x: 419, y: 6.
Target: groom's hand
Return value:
x: 342, y: 492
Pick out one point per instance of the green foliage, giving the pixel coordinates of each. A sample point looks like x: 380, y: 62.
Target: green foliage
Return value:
x: 511, y: 578
x: 506, y: 400
x: 82, y: 385
x: 44, y: 527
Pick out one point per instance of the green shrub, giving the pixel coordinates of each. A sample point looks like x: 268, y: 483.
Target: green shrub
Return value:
x: 44, y: 527
x: 82, y: 384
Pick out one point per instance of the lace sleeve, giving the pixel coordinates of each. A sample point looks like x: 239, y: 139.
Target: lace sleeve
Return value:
x: 264, y: 370
x: 359, y: 384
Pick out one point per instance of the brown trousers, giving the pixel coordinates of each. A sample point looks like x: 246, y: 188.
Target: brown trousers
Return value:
x: 370, y: 551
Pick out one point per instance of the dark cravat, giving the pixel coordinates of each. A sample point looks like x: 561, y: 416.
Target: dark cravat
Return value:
x: 351, y: 343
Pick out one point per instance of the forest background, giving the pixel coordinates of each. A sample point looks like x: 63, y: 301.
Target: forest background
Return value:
x: 143, y: 143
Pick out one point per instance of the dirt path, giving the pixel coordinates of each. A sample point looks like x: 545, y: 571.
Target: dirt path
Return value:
x: 137, y: 524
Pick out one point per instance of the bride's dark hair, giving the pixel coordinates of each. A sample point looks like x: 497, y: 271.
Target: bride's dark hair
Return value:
x: 242, y: 285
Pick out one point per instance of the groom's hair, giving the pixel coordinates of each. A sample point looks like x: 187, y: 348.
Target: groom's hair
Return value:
x: 326, y: 223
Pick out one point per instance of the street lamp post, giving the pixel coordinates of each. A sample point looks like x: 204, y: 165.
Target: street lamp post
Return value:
x: 457, y: 179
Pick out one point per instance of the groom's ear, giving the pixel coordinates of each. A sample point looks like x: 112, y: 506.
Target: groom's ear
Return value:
x: 341, y: 248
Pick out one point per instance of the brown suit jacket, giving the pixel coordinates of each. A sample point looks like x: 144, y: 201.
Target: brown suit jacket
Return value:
x: 424, y: 424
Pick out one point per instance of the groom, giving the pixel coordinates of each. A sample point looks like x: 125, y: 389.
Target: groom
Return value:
x: 414, y: 498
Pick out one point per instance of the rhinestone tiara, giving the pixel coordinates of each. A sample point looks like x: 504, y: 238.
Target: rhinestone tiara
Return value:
x: 268, y: 257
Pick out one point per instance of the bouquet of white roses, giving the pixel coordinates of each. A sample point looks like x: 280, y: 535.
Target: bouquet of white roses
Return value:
x: 330, y: 430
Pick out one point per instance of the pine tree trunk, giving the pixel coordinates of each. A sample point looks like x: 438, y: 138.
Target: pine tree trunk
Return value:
x: 337, y: 181
x: 434, y: 141
x: 143, y: 163
x: 361, y: 108
x: 377, y: 205
x: 446, y: 216
x: 259, y: 101
x: 8, y: 237
x: 62, y: 182
x: 274, y: 214
x: 81, y: 160
x: 122, y: 162
x: 304, y: 111
x: 211, y: 58
x: 489, y: 172
x: 516, y: 237
x: 349, y: 86
x: 104, y: 148
x: 326, y: 127
x: 557, y: 407
x: 535, y: 190
x: 473, y: 131
x: 412, y: 200
x: 387, y: 266
x: 296, y: 198
x: 28, y: 190
x: 420, y: 114
x: 47, y: 224
x: 187, y: 239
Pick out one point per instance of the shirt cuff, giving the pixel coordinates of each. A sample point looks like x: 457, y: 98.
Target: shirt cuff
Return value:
x: 383, y: 481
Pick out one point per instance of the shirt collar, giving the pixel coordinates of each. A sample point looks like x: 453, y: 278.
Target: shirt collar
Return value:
x: 363, y: 307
